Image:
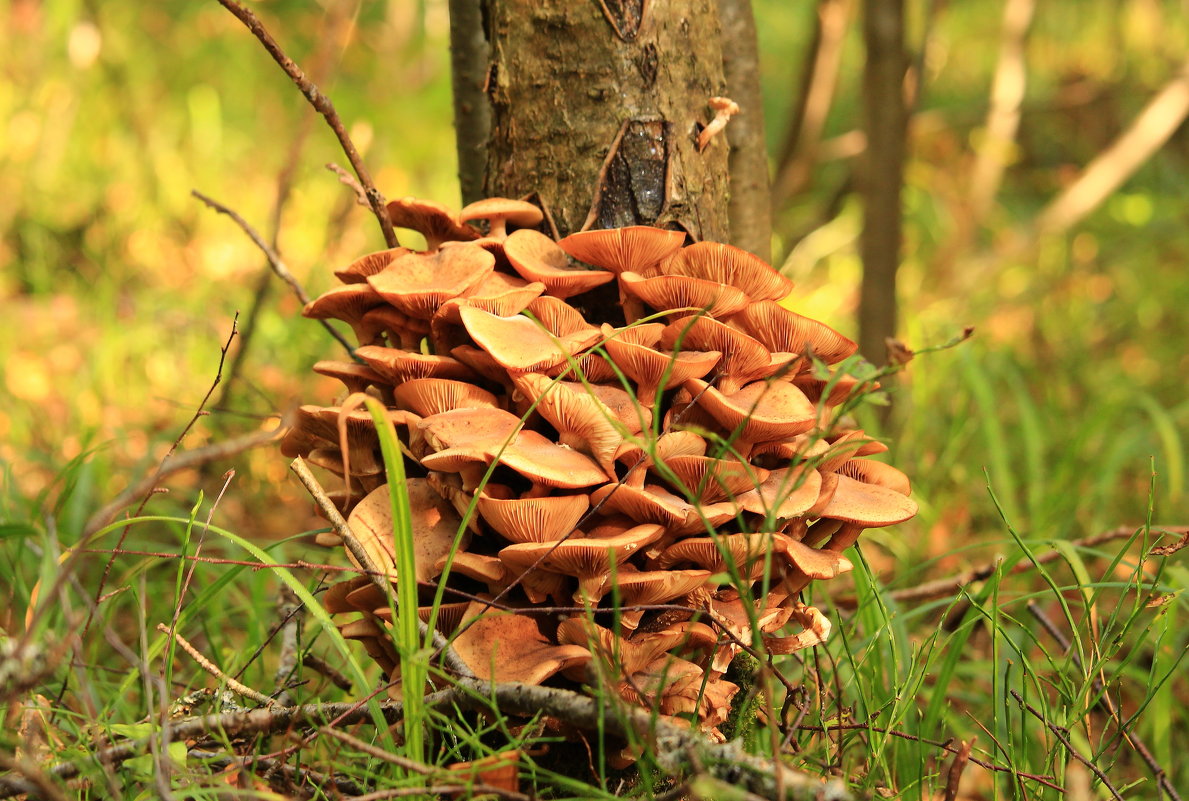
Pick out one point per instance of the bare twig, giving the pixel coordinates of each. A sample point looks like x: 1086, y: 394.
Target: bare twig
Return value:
x: 274, y: 261
x: 1063, y: 735
x: 210, y: 667
x: 437, y: 774
x: 378, y: 577
x: 941, y: 588
x: 290, y: 609
x: 470, y: 60
x: 168, y: 467
x: 348, y: 180
x: 324, y: 107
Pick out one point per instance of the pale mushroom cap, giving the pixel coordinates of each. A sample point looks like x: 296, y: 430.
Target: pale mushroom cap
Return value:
x: 520, y: 344
x: 743, y: 357
x: 419, y: 283
x: 497, y: 293
x: 652, y: 370
x: 619, y: 250
x: 761, y: 412
x: 536, y: 257
x: 356, y: 377
x: 871, y: 472
x: 710, y: 479
x: 581, y: 557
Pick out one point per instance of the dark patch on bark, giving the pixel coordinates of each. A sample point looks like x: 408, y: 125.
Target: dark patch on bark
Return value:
x: 625, y: 16
x: 631, y: 188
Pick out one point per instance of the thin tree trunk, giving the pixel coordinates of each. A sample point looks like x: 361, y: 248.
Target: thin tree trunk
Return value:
x: 470, y: 57
x: 596, y: 107
x: 883, y: 173
x: 750, y: 208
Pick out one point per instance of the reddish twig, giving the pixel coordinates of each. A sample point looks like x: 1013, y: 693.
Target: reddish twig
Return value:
x: 1063, y: 735
x: 323, y: 106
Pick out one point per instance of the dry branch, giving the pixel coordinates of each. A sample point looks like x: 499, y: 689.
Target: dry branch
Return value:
x: 678, y: 751
x: 324, y: 107
x: 944, y: 587
x: 274, y: 260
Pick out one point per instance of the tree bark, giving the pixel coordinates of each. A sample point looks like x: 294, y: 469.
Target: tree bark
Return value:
x: 470, y: 56
x: 883, y: 172
x: 596, y: 106
x: 750, y: 207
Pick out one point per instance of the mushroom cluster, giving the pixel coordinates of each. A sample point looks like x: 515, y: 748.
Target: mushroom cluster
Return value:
x: 624, y: 454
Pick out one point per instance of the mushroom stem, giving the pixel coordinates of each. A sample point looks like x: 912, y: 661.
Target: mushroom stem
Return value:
x: 725, y: 108
x: 537, y: 491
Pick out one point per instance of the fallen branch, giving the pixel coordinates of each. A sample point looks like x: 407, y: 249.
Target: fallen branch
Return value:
x: 678, y: 751
x: 210, y: 667
x: 274, y: 261
x: 941, y: 588
x: 324, y: 107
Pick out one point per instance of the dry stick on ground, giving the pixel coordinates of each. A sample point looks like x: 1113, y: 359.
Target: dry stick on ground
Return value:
x: 953, y: 776
x: 211, y: 668
x: 1105, y: 704
x: 301, y: 776
x: 675, y: 748
x: 940, y: 588
x: 290, y: 609
x: 436, y: 773
x: 274, y: 261
x: 1063, y: 735
x: 322, y: 103
x: 378, y: 577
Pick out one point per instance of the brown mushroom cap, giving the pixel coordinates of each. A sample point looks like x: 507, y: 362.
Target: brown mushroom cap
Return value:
x: 588, y: 559
x: 419, y: 283
x: 357, y: 271
x: 788, y: 332
x: 499, y: 212
x: 545, y: 519
x: 397, y: 365
x: 817, y: 631
x: 726, y: 264
x: 679, y: 293
x: 430, y: 396
x: 620, y: 250
x: 538, y: 258
x: 519, y: 343
x: 762, y: 411
x: 867, y: 504
x: 787, y: 492
x: 583, y: 422
x: 497, y: 293
x: 434, y: 528
x: 711, y: 479
x: 432, y: 220
x: 356, y: 377
x: 347, y: 303
x: 402, y: 329
x: 652, y: 370
x: 883, y: 475
x: 502, y: 646
x: 744, y: 358
x: 748, y: 553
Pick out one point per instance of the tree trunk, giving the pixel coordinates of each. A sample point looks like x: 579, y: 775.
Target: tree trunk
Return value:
x: 596, y: 108
x: 883, y: 172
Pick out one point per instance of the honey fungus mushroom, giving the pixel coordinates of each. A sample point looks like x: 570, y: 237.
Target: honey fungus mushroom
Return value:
x: 680, y: 478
